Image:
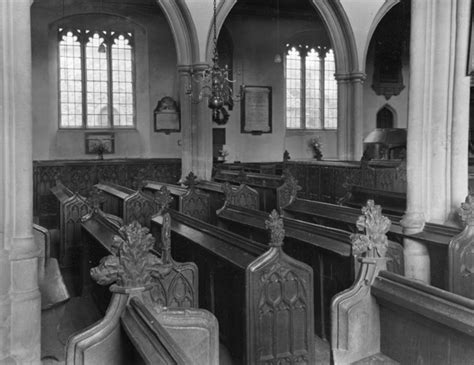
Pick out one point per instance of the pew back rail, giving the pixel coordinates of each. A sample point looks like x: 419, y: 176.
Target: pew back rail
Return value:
x: 72, y: 207
x: 175, y: 287
x: 272, y: 280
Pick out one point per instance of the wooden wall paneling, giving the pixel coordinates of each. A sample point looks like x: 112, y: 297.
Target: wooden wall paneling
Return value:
x: 80, y: 176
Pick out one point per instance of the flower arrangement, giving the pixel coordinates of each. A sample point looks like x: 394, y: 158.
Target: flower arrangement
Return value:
x: 316, y: 146
x: 100, y: 148
x: 222, y: 154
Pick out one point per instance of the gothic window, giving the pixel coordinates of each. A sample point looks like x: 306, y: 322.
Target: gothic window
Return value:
x: 96, y: 79
x: 311, y: 88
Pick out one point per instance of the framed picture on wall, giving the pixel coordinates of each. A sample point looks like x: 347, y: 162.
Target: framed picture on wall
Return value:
x: 99, y: 143
x: 256, y: 109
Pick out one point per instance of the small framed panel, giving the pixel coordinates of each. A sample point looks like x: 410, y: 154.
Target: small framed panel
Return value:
x: 99, y: 143
x: 256, y: 112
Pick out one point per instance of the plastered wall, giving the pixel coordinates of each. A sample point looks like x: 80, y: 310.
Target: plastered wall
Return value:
x: 255, y: 45
x: 156, y: 77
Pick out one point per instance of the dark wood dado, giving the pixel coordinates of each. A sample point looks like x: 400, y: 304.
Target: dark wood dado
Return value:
x: 327, y: 181
x: 81, y: 175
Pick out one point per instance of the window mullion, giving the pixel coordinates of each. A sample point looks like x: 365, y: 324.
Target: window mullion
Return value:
x: 109, y: 82
x: 303, y: 91
x: 83, y: 41
x: 321, y: 89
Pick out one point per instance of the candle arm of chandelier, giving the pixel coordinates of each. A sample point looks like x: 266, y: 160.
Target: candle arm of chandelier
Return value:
x: 205, y: 82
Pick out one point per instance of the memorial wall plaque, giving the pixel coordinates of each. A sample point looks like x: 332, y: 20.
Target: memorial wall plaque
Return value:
x: 256, y: 112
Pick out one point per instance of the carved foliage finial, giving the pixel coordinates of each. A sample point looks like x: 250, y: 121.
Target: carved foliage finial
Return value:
x: 95, y: 199
x: 57, y: 178
x: 138, y: 181
x: 166, y: 238
x: 374, y: 241
x: 467, y: 210
x: 227, y: 190
x: 163, y: 198
x: 191, y: 180
x: 292, y: 183
x: 275, y: 225
x: 241, y: 177
x: 132, y: 263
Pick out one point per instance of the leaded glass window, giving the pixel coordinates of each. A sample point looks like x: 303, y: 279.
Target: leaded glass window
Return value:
x: 96, y: 79
x: 311, y: 88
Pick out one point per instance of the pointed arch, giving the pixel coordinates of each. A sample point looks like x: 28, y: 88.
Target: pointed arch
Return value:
x: 333, y: 16
x: 183, y: 30
x: 340, y: 33
x: 386, y: 117
x: 384, y: 9
x: 348, y: 71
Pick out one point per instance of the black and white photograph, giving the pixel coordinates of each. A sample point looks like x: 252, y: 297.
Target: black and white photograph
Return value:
x: 236, y: 182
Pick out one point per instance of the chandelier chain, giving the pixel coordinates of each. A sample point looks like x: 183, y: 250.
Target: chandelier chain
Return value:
x: 215, y: 28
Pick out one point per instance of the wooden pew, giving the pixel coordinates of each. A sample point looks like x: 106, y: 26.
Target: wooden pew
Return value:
x: 128, y: 204
x: 156, y: 188
x: 71, y: 207
x: 327, y: 250
x: 219, y: 194
x: 392, y: 201
x: 134, y: 332
x: 139, y: 326
x: 435, y: 236
x: 461, y: 248
x: 189, y: 199
x: 271, y: 168
x: 100, y: 232
x: 245, y: 284
x: 50, y: 281
x: 387, y: 318
x: 266, y: 185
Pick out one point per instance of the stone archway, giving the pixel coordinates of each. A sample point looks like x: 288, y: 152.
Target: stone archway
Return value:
x: 348, y: 72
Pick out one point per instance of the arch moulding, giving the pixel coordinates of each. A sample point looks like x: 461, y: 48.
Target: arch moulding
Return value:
x: 348, y: 72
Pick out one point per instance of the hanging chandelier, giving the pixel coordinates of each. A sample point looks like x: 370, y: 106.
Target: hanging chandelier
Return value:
x: 214, y: 84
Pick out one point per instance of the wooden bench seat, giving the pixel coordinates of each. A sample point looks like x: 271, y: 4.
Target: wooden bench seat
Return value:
x: 405, y: 320
x: 386, y: 315
x: 265, y: 184
x: 188, y: 197
x: 442, y: 322
x: 435, y: 236
x: 50, y: 281
x: 327, y: 251
x: 71, y: 208
x: 179, y: 286
x: 392, y: 202
x: 271, y: 168
x: 144, y: 323
x: 128, y: 204
x: 237, y: 280
x: 190, y: 201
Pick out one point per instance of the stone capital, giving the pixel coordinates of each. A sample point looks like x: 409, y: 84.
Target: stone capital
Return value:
x: 184, y: 69
x: 350, y: 77
x: 199, y: 67
x: 413, y: 222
